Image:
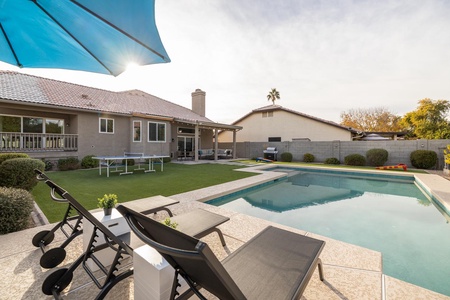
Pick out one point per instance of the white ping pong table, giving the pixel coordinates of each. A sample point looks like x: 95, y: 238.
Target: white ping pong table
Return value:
x: 109, y: 161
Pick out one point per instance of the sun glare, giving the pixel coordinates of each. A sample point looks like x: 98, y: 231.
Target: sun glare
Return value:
x: 132, y: 66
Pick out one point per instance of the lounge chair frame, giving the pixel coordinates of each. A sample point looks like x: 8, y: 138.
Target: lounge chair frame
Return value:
x: 58, y: 280
x: 71, y: 224
x: 248, y: 273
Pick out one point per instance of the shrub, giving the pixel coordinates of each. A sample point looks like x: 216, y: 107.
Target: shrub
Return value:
x: 447, y: 157
x: 88, y: 162
x: 286, y: 156
x: 70, y: 163
x: 423, y: 159
x: 355, y: 160
x: 308, y: 157
x: 48, y: 165
x: 6, y: 156
x: 19, y: 173
x: 376, y: 157
x: 332, y: 161
x: 15, y: 209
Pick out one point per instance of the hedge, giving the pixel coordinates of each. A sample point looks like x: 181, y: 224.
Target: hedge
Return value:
x: 16, y: 206
x: 19, y: 173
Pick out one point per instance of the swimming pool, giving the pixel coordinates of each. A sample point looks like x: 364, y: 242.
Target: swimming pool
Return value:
x: 386, y: 214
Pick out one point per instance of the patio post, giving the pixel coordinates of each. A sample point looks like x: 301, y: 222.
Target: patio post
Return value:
x: 196, y: 142
x: 234, y: 144
x: 216, y: 144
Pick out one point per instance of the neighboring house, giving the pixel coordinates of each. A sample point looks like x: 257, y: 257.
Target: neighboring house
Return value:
x: 53, y: 119
x: 275, y: 123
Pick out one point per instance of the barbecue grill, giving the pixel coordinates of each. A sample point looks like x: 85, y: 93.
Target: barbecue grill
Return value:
x: 271, y: 153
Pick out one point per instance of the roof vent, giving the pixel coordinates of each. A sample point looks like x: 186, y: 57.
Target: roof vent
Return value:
x: 84, y: 96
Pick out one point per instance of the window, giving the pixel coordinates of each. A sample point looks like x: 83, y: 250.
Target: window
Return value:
x: 54, y: 126
x: 32, y: 125
x: 264, y: 114
x: 186, y: 130
x: 136, y: 131
x: 10, y: 124
x: 106, y: 125
x: 270, y: 113
x: 156, y: 132
x: 275, y: 139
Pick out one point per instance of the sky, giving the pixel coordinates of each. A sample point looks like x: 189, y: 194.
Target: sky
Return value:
x: 324, y: 57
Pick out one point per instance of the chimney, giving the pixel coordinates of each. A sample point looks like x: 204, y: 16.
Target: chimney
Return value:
x: 198, y: 102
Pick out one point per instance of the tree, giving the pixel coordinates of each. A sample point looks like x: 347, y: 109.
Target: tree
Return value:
x: 429, y: 120
x: 371, y: 119
x: 273, y: 95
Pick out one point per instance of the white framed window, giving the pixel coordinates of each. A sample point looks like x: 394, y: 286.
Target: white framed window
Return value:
x: 55, y: 126
x: 10, y: 123
x: 137, y: 131
x: 156, y: 132
x: 31, y: 124
x: 106, y: 125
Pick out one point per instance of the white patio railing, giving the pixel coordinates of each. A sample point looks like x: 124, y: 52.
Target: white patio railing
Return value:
x: 15, y: 141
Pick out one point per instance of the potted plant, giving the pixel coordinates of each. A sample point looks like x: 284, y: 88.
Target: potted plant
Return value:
x: 107, y: 202
x: 169, y: 223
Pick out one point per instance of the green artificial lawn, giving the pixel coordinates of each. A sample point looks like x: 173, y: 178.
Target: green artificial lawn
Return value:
x: 87, y: 185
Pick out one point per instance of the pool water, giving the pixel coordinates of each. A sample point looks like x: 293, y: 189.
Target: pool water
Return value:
x: 390, y: 216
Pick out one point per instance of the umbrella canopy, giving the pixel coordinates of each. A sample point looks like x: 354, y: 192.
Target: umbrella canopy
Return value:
x: 101, y: 36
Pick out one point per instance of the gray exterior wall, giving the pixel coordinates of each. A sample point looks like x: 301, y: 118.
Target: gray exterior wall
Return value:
x: 399, y: 151
x: 92, y: 142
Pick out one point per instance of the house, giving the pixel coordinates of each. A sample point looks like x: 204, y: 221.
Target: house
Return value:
x: 52, y: 119
x: 274, y: 123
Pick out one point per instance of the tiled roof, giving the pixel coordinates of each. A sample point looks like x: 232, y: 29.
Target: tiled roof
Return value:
x: 279, y: 107
x: 30, y: 89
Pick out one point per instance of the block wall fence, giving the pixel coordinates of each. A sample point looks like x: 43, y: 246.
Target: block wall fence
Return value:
x: 399, y: 151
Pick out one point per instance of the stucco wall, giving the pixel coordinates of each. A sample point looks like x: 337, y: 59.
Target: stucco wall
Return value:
x: 399, y: 151
x: 92, y: 142
x: 286, y: 125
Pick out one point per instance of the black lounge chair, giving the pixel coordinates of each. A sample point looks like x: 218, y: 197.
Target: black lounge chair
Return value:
x: 71, y: 224
x: 275, y: 264
x: 109, y: 276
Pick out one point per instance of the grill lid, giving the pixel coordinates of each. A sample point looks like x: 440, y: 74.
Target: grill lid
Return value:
x: 271, y: 150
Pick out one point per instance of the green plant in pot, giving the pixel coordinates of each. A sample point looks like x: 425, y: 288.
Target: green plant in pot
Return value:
x: 169, y: 223
x: 107, y: 202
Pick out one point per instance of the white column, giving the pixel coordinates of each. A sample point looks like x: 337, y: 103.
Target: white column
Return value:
x: 216, y: 144
x: 196, y: 142
x: 234, y: 144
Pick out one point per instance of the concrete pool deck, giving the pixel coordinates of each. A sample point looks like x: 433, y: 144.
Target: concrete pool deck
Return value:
x: 351, y: 272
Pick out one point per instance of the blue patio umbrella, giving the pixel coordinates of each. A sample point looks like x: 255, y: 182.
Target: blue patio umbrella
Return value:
x: 101, y: 36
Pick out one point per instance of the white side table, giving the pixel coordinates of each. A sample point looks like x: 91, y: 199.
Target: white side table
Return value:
x: 116, y: 224
x: 153, y: 275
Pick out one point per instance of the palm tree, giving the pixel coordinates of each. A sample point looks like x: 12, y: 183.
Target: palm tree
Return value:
x: 273, y: 95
